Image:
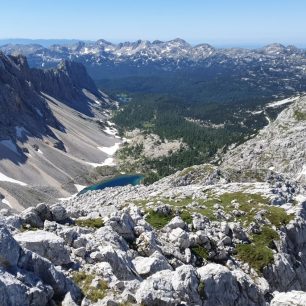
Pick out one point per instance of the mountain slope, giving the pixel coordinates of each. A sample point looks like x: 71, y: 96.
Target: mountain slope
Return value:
x: 53, y: 123
x: 280, y: 146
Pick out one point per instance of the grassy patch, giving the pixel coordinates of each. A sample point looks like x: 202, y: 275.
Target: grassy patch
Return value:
x: 28, y: 227
x: 266, y: 237
x: 84, y: 281
x: 249, y: 204
x: 201, y: 290
x: 186, y: 216
x: 199, y: 251
x: 93, y: 223
x: 278, y: 216
x: 158, y: 220
x: 299, y: 116
x: 258, y: 254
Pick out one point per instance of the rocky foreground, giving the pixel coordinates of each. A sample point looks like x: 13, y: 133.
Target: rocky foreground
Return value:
x: 191, y: 239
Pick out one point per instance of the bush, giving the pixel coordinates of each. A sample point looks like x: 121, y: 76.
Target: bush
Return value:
x: 84, y: 281
x: 257, y: 256
x: 93, y: 223
x: 158, y: 220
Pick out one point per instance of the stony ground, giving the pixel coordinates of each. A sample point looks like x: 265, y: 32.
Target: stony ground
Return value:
x: 194, y: 238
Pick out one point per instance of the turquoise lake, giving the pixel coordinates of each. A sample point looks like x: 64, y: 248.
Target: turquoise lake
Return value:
x: 121, y: 180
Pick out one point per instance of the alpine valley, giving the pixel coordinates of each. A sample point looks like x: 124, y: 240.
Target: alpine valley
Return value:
x: 219, y: 136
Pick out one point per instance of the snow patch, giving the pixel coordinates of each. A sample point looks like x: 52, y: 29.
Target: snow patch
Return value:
x: 108, y: 162
x: 110, y: 131
x: 110, y: 150
x: 6, y: 202
x: 79, y: 187
x: 4, y: 178
x: 281, y: 102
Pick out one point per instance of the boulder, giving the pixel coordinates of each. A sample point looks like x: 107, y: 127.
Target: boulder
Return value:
x: 15, y: 292
x: 170, y: 288
x: 68, y: 300
x: 180, y: 238
x: 238, y: 231
x: 222, y: 287
x: 176, y: 222
x: 291, y: 298
x: 49, y: 275
x: 45, y: 244
x: 9, y: 249
x: 123, y: 224
x: 146, y: 244
x: 199, y: 222
x: 58, y: 213
x: 146, y: 266
x: 31, y: 217
x: 122, y: 266
x: 106, y: 235
x: 43, y: 211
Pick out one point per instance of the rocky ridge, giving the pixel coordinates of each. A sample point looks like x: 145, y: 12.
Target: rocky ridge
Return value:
x: 280, y: 146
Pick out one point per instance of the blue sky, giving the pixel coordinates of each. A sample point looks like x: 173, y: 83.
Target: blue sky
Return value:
x: 219, y: 22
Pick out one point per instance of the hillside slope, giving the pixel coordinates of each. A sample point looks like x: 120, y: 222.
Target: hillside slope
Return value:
x: 53, y: 125
x: 280, y: 146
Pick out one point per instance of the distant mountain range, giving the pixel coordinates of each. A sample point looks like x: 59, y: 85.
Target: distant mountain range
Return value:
x: 274, y: 69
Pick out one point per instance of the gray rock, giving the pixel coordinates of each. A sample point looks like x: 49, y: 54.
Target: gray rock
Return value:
x: 122, y: 266
x: 291, y: 298
x: 221, y: 287
x: 123, y: 224
x: 46, y: 244
x: 176, y: 222
x: 30, y: 216
x: 58, y: 213
x: 44, y: 270
x: 15, y: 292
x: 9, y: 248
x: 146, y: 244
x: 68, y: 300
x: 179, y: 238
x: 146, y: 266
x: 170, y: 288
x: 43, y: 211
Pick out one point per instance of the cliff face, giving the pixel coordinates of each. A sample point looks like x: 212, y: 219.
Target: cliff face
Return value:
x: 66, y: 83
x: 51, y: 128
x: 20, y: 104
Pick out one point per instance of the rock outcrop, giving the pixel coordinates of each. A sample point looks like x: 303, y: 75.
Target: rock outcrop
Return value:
x: 280, y: 146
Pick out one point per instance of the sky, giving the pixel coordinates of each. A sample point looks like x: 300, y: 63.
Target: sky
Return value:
x: 218, y: 22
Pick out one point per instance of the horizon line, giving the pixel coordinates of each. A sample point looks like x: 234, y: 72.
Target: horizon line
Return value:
x: 192, y: 42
